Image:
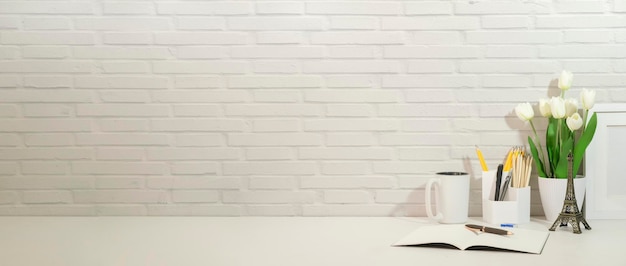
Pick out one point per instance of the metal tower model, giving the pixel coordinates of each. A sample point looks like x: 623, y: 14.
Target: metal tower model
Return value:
x: 570, y: 212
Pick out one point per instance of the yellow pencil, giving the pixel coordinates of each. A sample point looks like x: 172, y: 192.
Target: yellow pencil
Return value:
x: 508, y: 163
x: 482, y: 160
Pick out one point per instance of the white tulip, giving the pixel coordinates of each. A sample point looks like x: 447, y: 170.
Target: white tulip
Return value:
x: 587, y: 98
x: 574, y: 122
x: 571, y: 107
x: 524, y: 111
x: 544, y: 107
x: 557, y: 106
x: 565, y: 81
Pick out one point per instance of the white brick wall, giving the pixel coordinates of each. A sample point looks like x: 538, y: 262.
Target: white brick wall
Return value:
x: 277, y: 107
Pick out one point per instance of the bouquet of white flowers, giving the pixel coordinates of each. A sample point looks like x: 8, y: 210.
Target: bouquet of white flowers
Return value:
x: 562, y: 135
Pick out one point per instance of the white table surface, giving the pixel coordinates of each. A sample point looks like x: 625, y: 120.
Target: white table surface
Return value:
x: 362, y: 241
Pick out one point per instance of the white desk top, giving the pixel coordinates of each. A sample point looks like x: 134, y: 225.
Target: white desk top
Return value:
x: 188, y: 241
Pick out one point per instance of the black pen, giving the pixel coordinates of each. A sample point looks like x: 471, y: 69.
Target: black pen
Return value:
x: 498, y: 181
x: 491, y: 230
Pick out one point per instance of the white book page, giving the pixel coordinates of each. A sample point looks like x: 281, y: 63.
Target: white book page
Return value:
x: 523, y: 240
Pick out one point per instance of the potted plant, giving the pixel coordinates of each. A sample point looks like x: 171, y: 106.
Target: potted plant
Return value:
x: 567, y: 132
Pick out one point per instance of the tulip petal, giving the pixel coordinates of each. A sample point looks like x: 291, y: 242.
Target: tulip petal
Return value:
x: 565, y: 80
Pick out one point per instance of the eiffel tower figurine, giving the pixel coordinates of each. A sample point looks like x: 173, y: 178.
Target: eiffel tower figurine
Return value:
x: 570, y: 212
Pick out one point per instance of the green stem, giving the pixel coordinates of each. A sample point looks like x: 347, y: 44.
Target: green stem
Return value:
x: 559, y: 132
x: 542, y: 152
x: 585, y: 113
x: 558, y: 144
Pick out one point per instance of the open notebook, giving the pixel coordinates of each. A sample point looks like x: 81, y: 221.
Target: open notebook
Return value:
x: 457, y: 236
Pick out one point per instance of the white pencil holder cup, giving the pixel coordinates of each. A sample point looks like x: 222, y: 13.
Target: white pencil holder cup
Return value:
x: 514, y: 209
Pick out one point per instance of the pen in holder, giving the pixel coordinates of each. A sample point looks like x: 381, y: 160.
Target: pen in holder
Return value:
x: 513, y: 207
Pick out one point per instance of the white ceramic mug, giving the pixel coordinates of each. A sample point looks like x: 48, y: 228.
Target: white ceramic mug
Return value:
x: 451, y: 195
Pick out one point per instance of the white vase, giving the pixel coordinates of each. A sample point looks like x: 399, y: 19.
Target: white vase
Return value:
x: 552, y: 192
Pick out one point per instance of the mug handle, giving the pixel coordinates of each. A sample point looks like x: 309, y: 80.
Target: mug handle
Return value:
x: 429, y: 212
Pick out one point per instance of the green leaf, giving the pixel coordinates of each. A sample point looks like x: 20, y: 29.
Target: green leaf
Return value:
x: 561, y: 167
x: 566, y: 133
x: 583, y: 142
x: 538, y: 162
x: 551, y: 143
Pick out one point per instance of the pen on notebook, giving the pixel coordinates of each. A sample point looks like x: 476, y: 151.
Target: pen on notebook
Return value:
x: 491, y: 230
x: 481, y: 159
x: 498, y: 182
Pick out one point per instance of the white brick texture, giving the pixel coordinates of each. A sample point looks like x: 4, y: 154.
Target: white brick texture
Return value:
x: 278, y: 108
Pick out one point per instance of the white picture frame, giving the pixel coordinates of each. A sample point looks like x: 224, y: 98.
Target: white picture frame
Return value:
x: 605, y: 160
